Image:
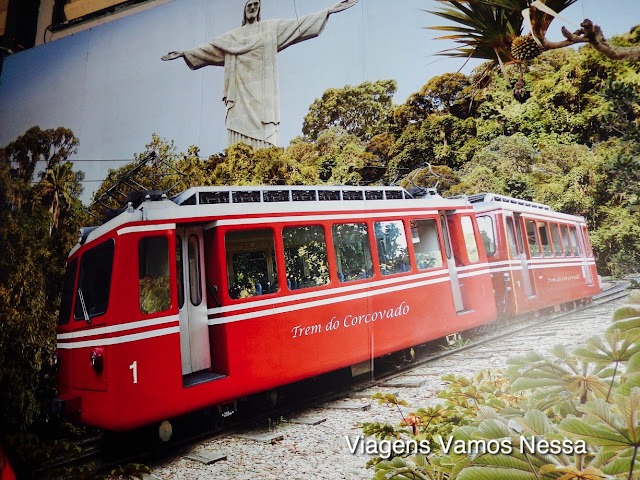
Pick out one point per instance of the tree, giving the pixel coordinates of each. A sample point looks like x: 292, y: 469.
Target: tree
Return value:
x: 243, y: 165
x: 494, y: 31
x: 58, y: 187
x: 162, y: 172
x: 32, y: 260
x: 440, y: 139
x: 364, y: 110
x: 451, y: 93
x: 592, y: 34
x: 51, y: 146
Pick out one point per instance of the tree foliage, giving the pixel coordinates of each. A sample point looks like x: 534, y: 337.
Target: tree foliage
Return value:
x: 571, y: 142
x: 494, y: 31
x: 51, y: 147
x: 336, y: 157
x: 363, y: 110
x: 38, y: 226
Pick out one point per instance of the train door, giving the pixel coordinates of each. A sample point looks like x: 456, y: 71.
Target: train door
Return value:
x: 527, y: 273
x: 192, y: 300
x: 451, y: 263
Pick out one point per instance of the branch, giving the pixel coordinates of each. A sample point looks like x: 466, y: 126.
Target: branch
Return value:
x: 592, y: 34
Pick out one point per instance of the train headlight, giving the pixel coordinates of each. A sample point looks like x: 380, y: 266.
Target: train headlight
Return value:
x: 56, y: 360
x: 97, y: 359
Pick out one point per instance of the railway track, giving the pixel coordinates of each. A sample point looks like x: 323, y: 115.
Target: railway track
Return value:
x: 278, y: 429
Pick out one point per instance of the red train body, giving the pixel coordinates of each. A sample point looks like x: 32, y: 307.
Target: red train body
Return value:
x: 178, y: 305
x: 539, y: 258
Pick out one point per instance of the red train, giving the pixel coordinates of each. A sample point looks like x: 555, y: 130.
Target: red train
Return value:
x: 173, y: 306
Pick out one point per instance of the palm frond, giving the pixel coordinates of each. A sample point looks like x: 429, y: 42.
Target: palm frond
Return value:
x: 485, y: 29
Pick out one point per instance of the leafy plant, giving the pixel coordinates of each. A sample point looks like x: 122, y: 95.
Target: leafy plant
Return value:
x: 557, y: 382
x: 494, y: 427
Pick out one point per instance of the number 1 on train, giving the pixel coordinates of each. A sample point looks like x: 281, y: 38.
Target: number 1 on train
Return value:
x: 134, y: 368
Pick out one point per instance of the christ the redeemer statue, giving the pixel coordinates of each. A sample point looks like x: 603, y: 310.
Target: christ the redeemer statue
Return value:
x: 249, y: 57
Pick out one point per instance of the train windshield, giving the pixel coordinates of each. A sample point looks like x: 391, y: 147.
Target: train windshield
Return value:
x: 94, y: 282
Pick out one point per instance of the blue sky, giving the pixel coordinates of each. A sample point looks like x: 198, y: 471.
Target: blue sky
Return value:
x: 110, y: 87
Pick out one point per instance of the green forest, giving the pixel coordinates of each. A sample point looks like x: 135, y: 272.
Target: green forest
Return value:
x: 569, y: 138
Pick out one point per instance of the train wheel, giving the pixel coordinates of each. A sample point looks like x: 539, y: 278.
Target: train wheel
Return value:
x: 272, y: 397
x: 401, y: 358
x: 165, y: 430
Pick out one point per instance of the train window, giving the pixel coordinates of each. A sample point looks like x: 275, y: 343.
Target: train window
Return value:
x: 488, y: 234
x: 445, y: 235
x: 251, y: 263
x: 67, y: 291
x: 566, y: 243
x: 393, y: 253
x: 587, y: 241
x: 193, y: 259
x: 469, y: 239
x: 424, y: 236
x: 557, y: 241
x: 544, y: 239
x: 532, y: 236
x: 179, y: 272
x: 305, y: 257
x: 574, y: 242
x: 153, y: 275
x: 519, y: 236
x: 94, y: 282
x: 511, y: 235
x: 352, y: 251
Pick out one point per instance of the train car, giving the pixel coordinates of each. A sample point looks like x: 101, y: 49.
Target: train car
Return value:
x: 177, y: 305
x: 539, y: 258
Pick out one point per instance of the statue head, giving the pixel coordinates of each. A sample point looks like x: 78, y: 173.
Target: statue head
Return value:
x: 251, y: 12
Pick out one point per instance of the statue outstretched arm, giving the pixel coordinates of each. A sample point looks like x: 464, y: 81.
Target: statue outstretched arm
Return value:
x: 343, y: 5
x: 172, y: 56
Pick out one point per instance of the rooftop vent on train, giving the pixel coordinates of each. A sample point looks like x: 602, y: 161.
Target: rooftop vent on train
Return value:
x: 494, y: 197
x: 274, y: 194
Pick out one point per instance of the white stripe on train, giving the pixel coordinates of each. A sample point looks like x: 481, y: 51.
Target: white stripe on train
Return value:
x: 152, y: 322
x: 102, y: 342
x: 479, y: 269
x: 325, y: 301
x: 328, y: 291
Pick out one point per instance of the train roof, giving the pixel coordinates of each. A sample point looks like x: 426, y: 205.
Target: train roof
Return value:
x: 207, y: 204
x: 486, y: 202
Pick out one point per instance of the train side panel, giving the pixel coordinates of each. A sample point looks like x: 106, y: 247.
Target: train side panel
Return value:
x: 288, y: 330
x: 540, y: 259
